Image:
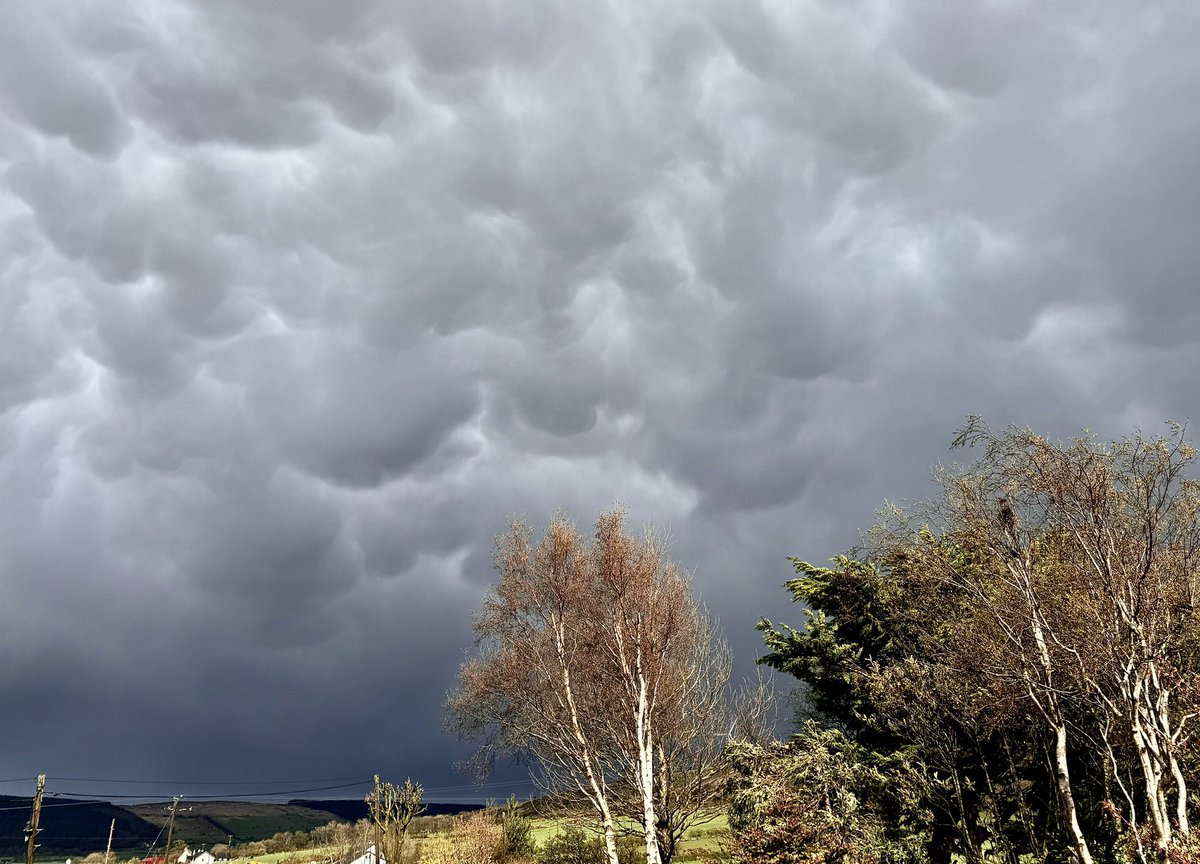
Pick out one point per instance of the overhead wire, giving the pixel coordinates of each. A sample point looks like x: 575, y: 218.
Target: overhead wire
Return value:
x: 194, y: 782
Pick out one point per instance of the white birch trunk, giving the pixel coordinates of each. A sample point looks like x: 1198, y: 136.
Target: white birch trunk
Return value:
x: 1149, y: 758
x: 1053, y: 714
x: 1181, y: 797
x: 645, y: 735
x: 594, y: 781
x: 1078, y: 842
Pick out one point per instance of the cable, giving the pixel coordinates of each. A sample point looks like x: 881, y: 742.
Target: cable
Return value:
x: 260, y: 794
x: 470, y: 786
x: 54, y: 804
x: 190, y: 782
x: 100, y: 798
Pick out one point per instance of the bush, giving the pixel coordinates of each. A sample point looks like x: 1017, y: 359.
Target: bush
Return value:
x: 473, y: 839
x: 576, y: 846
x: 516, y: 839
x: 572, y: 846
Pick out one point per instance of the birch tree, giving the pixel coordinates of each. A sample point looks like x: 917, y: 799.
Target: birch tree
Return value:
x: 596, y: 662
x: 532, y: 690
x: 1086, y: 557
x: 659, y: 653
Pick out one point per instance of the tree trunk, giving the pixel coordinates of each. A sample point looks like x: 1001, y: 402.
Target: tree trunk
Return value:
x: 1062, y: 771
x: 595, y: 782
x: 645, y: 742
x: 1181, y: 800
x: 1152, y: 768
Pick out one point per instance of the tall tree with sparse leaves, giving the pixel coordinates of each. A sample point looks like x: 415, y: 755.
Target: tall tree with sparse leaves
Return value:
x: 596, y: 662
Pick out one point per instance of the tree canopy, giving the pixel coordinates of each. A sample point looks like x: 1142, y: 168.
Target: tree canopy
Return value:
x: 597, y: 663
x: 1027, y: 639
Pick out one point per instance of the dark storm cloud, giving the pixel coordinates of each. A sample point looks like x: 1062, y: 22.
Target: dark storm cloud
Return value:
x: 299, y: 302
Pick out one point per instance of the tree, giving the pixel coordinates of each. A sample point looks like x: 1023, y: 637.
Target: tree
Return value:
x: 596, y: 663
x: 869, y: 660
x: 1055, y: 584
x: 1086, y: 555
x: 392, y: 809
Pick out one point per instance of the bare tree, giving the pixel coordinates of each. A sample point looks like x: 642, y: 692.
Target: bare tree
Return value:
x: 596, y: 662
x: 392, y: 809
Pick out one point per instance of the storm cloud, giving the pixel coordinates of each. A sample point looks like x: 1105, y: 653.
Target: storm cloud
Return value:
x: 301, y: 301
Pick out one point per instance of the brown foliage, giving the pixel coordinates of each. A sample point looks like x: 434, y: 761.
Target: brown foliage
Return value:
x: 596, y: 662
x: 1076, y: 570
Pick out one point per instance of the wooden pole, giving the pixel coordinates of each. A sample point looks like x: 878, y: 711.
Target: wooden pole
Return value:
x: 374, y: 810
x: 170, y: 830
x: 32, y: 829
x: 108, y: 850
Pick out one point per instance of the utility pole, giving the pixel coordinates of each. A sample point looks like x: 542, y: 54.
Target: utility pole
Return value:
x: 108, y: 851
x: 374, y: 810
x: 31, y: 830
x: 170, y: 831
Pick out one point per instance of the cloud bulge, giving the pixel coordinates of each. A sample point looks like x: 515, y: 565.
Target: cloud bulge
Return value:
x: 299, y: 304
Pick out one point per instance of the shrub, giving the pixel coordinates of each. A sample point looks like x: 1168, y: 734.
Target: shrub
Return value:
x: 572, y: 846
x: 516, y: 839
x: 473, y: 839
x: 576, y: 846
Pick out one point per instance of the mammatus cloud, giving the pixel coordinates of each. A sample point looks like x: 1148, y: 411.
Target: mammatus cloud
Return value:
x: 298, y: 304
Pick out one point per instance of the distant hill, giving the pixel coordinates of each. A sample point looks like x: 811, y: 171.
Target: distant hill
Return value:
x: 71, y: 826
x: 208, y: 822
x: 76, y: 826
x: 353, y: 809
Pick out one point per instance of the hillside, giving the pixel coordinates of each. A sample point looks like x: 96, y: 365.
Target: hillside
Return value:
x: 71, y: 826
x: 353, y: 809
x: 208, y: 822
x: 79, y: 826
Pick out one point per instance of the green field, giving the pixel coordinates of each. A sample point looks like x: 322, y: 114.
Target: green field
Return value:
x: 700, y: 843
x: 318, y: 854
x: 709, y: 838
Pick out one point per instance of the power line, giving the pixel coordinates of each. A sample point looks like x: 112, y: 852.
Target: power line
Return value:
x: 220, y: 797
x: 190, y: 782
x: 470, y: 786
x: 63, y: 804
x: 102, y: 798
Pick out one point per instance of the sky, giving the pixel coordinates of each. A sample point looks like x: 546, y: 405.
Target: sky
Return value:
x: 301, y: 302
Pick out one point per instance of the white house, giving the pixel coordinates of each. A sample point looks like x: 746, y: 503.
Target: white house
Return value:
x: 369, y: 857
x: 190, y: 857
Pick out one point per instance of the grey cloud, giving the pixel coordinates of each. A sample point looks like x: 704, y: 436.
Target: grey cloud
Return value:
x: 970, y: 50
x: 45, y: 84
x: 299, y: 304
x: 457, y: 37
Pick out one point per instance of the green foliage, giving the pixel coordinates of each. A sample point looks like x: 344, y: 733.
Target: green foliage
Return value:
x: 392, y: 809
x: 853, y: 618
x: 575, y: 846
x: 572, y: 846
x: 1010, y: 637
x: 875, y: 654
x: 823, y: 799
x: 516, y: 839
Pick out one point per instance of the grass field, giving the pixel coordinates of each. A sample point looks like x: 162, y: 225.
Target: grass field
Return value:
x: 709, y: 838
x: 318, y: 854
x: 703, y: 842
